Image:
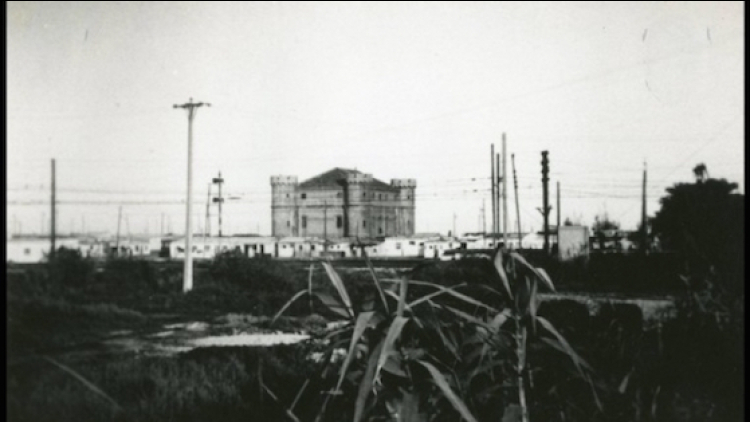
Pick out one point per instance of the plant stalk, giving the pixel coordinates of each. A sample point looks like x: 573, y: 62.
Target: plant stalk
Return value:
x: 521, y: 354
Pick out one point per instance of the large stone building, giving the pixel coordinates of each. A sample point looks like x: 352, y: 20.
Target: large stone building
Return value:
x: 342, y: 203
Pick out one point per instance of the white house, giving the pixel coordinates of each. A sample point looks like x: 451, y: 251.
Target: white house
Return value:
x: 34, y: 249
x: 398, y: 247
x: 437, y: 248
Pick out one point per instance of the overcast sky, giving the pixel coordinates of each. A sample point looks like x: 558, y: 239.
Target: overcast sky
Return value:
x: 398, y: 90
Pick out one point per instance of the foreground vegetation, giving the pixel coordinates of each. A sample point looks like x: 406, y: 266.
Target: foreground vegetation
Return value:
x: 453, y: 341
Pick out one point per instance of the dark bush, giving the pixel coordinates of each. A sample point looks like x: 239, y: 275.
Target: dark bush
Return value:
x: 69, y: 268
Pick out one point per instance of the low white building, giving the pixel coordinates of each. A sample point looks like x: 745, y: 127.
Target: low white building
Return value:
x: 34, y: 249
x: 437, y: 248
x: 398, y: 247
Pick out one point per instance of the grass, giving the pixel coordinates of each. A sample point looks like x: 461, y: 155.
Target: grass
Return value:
x: 687, y: 370
x: 205, y: 384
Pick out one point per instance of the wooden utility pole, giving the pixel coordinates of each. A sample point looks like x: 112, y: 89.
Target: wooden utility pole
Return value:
x: 545, y: 200
x: 644, y: 225
x: 505, y: 195
x: 219, y: 181
x: 53, y: 247
x: 515, y: 187
x: 484, y: 223
x: 498, y: 189
x: 187, y: 283
x: 208, y: 213
x: 558, y: 210
x: 494, y: 187
x: 325, y: 226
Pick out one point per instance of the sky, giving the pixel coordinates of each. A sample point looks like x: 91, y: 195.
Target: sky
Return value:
x: 398, y: 90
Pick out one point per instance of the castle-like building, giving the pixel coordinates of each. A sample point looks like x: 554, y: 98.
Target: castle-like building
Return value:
x: 342, y: 203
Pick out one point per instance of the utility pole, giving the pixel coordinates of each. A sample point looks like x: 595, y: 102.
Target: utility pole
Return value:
x: 494, y: 187
x: 505, y: 194
x: 515, y: 186
x: 219, y: 181
x: 191, y: 108
x: 325, y: 226
x: 117, y: 237
x: 484, y: 222
x: 545, y: 200
x: 644, y: 225
x: 454, y: 225
x: 161, y: 228
x: 53, y: 216
x: 558, y: 210
x: 498, y: 189
x: 208, y: 213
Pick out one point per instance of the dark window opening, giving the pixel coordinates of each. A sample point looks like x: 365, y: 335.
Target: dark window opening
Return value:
x: 303, y: 196
x: 304, y: 221
x: 364, y: 223
x: 339, y: 221
x: 288, y: 223
x: 380, y: 230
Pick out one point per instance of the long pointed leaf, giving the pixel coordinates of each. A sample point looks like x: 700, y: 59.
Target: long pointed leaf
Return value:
x: 498, y: 263
x: 84, y: 381
x: 375, y: 279
x: 579, y: 362
x: 363, y: 320
x: 333, y: 304
x: 288, y: 304
x: 394, y: 331
x: 442, y: 383
x: 540, y: 272
x: 339, y: 285
x: 429, y: 296
x: 367, y: 383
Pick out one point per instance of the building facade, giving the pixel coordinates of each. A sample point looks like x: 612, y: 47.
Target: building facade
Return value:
x: 342, y: 203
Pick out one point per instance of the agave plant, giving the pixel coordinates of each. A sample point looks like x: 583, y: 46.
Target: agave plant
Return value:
x: 440, y: 353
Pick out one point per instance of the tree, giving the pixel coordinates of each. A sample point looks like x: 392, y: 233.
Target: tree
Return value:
x: 602, y: 224
x: 705, y: 222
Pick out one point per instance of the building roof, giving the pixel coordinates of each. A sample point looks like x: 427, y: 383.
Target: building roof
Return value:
x: 332, y: 177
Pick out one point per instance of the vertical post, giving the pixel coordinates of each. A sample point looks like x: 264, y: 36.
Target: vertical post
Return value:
x: 187, y: 284
x: 558, y: 210
x: 161, y: 228
x: 518, y: 211
x: 53, y: 217
x: 219, y: 181
x: 545, y: 200
x: 644, y: 225
x: 208, y: 214
x: 454, y: 224
x: 484, y: 223
x: 505, y: 194
x: 498, y: 190
x: 494, y: 184
x: 325, y: 226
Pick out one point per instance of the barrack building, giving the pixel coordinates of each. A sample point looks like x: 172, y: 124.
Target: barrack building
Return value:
x: 342, y: 203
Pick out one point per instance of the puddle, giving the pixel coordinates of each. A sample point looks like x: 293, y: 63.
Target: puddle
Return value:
x: 247, y: 339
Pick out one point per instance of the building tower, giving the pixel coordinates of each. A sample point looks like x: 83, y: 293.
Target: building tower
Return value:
x: 284, y: 206
x: 405, y: 206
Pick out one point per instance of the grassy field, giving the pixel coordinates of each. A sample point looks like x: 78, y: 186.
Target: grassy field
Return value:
x: 688, y: 369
